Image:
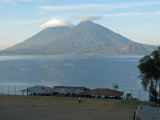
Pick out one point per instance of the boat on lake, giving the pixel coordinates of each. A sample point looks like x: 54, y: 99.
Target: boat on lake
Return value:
x: 115, y: 85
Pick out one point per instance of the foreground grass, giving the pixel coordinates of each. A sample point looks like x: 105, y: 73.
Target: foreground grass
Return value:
x: 69, y: 102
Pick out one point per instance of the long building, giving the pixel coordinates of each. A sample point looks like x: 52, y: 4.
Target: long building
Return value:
x: 104, y: 93
x: 69, y: 90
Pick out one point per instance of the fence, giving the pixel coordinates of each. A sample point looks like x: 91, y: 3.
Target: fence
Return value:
x: 13, y: 90
x: 22, y: 90
x: 141, y: 95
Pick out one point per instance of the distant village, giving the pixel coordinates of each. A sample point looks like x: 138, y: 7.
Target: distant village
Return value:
x: 74, y: 91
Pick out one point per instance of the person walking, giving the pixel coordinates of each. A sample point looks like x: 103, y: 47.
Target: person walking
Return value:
x: 80, y: 101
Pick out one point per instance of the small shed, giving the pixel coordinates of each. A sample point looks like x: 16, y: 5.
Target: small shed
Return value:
x: 69, y: 90
x: 104, y: 93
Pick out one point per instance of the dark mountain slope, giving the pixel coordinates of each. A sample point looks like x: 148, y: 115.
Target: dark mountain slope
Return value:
x: 40, y: 39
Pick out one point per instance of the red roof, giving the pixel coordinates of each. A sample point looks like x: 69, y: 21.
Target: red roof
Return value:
x: 104, y: 92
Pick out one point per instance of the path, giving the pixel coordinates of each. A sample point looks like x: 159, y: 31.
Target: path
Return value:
x: 150, y: 113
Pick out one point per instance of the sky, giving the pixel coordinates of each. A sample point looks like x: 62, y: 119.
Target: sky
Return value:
x: 138, y: 20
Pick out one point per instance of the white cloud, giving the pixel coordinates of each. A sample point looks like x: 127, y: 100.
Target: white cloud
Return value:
x: 123, y: 14
x: 132, y: 14
x: 96, y: 6
x: 55, y: 22
x: 89, y: 17
x: 157, y: 13
x: 14, y: 2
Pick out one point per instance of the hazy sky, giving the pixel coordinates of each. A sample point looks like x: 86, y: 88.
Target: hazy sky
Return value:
x: 138, y: 20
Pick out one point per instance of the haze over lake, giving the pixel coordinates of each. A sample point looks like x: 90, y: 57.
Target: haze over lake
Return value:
x: 77, y: 70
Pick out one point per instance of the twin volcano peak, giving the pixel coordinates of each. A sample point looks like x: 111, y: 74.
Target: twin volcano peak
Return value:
x: 86, y: 23
x: 85, y: 38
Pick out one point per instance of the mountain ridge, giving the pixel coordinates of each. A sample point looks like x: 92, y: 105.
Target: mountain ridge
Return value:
x: 85, y: 38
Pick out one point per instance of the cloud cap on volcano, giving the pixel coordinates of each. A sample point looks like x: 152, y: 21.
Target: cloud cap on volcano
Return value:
x: 55, y: 22
x: 88, y: 17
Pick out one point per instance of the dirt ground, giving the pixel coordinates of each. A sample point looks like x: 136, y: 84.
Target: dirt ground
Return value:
x: 63, y: 108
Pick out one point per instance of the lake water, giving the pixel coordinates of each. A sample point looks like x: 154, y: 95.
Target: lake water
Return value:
x: 93, y: 71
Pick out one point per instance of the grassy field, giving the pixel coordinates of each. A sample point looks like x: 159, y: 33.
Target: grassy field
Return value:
x: 66, y: 108
x: 69, y: 102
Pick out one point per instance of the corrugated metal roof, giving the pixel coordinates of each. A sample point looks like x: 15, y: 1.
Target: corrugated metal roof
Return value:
x: 71, y: 87
x: 39, y: 89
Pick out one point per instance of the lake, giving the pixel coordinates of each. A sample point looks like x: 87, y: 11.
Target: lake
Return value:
x: 93, y: 71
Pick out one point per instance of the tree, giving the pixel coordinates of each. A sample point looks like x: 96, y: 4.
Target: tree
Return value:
x: 149, y: 67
